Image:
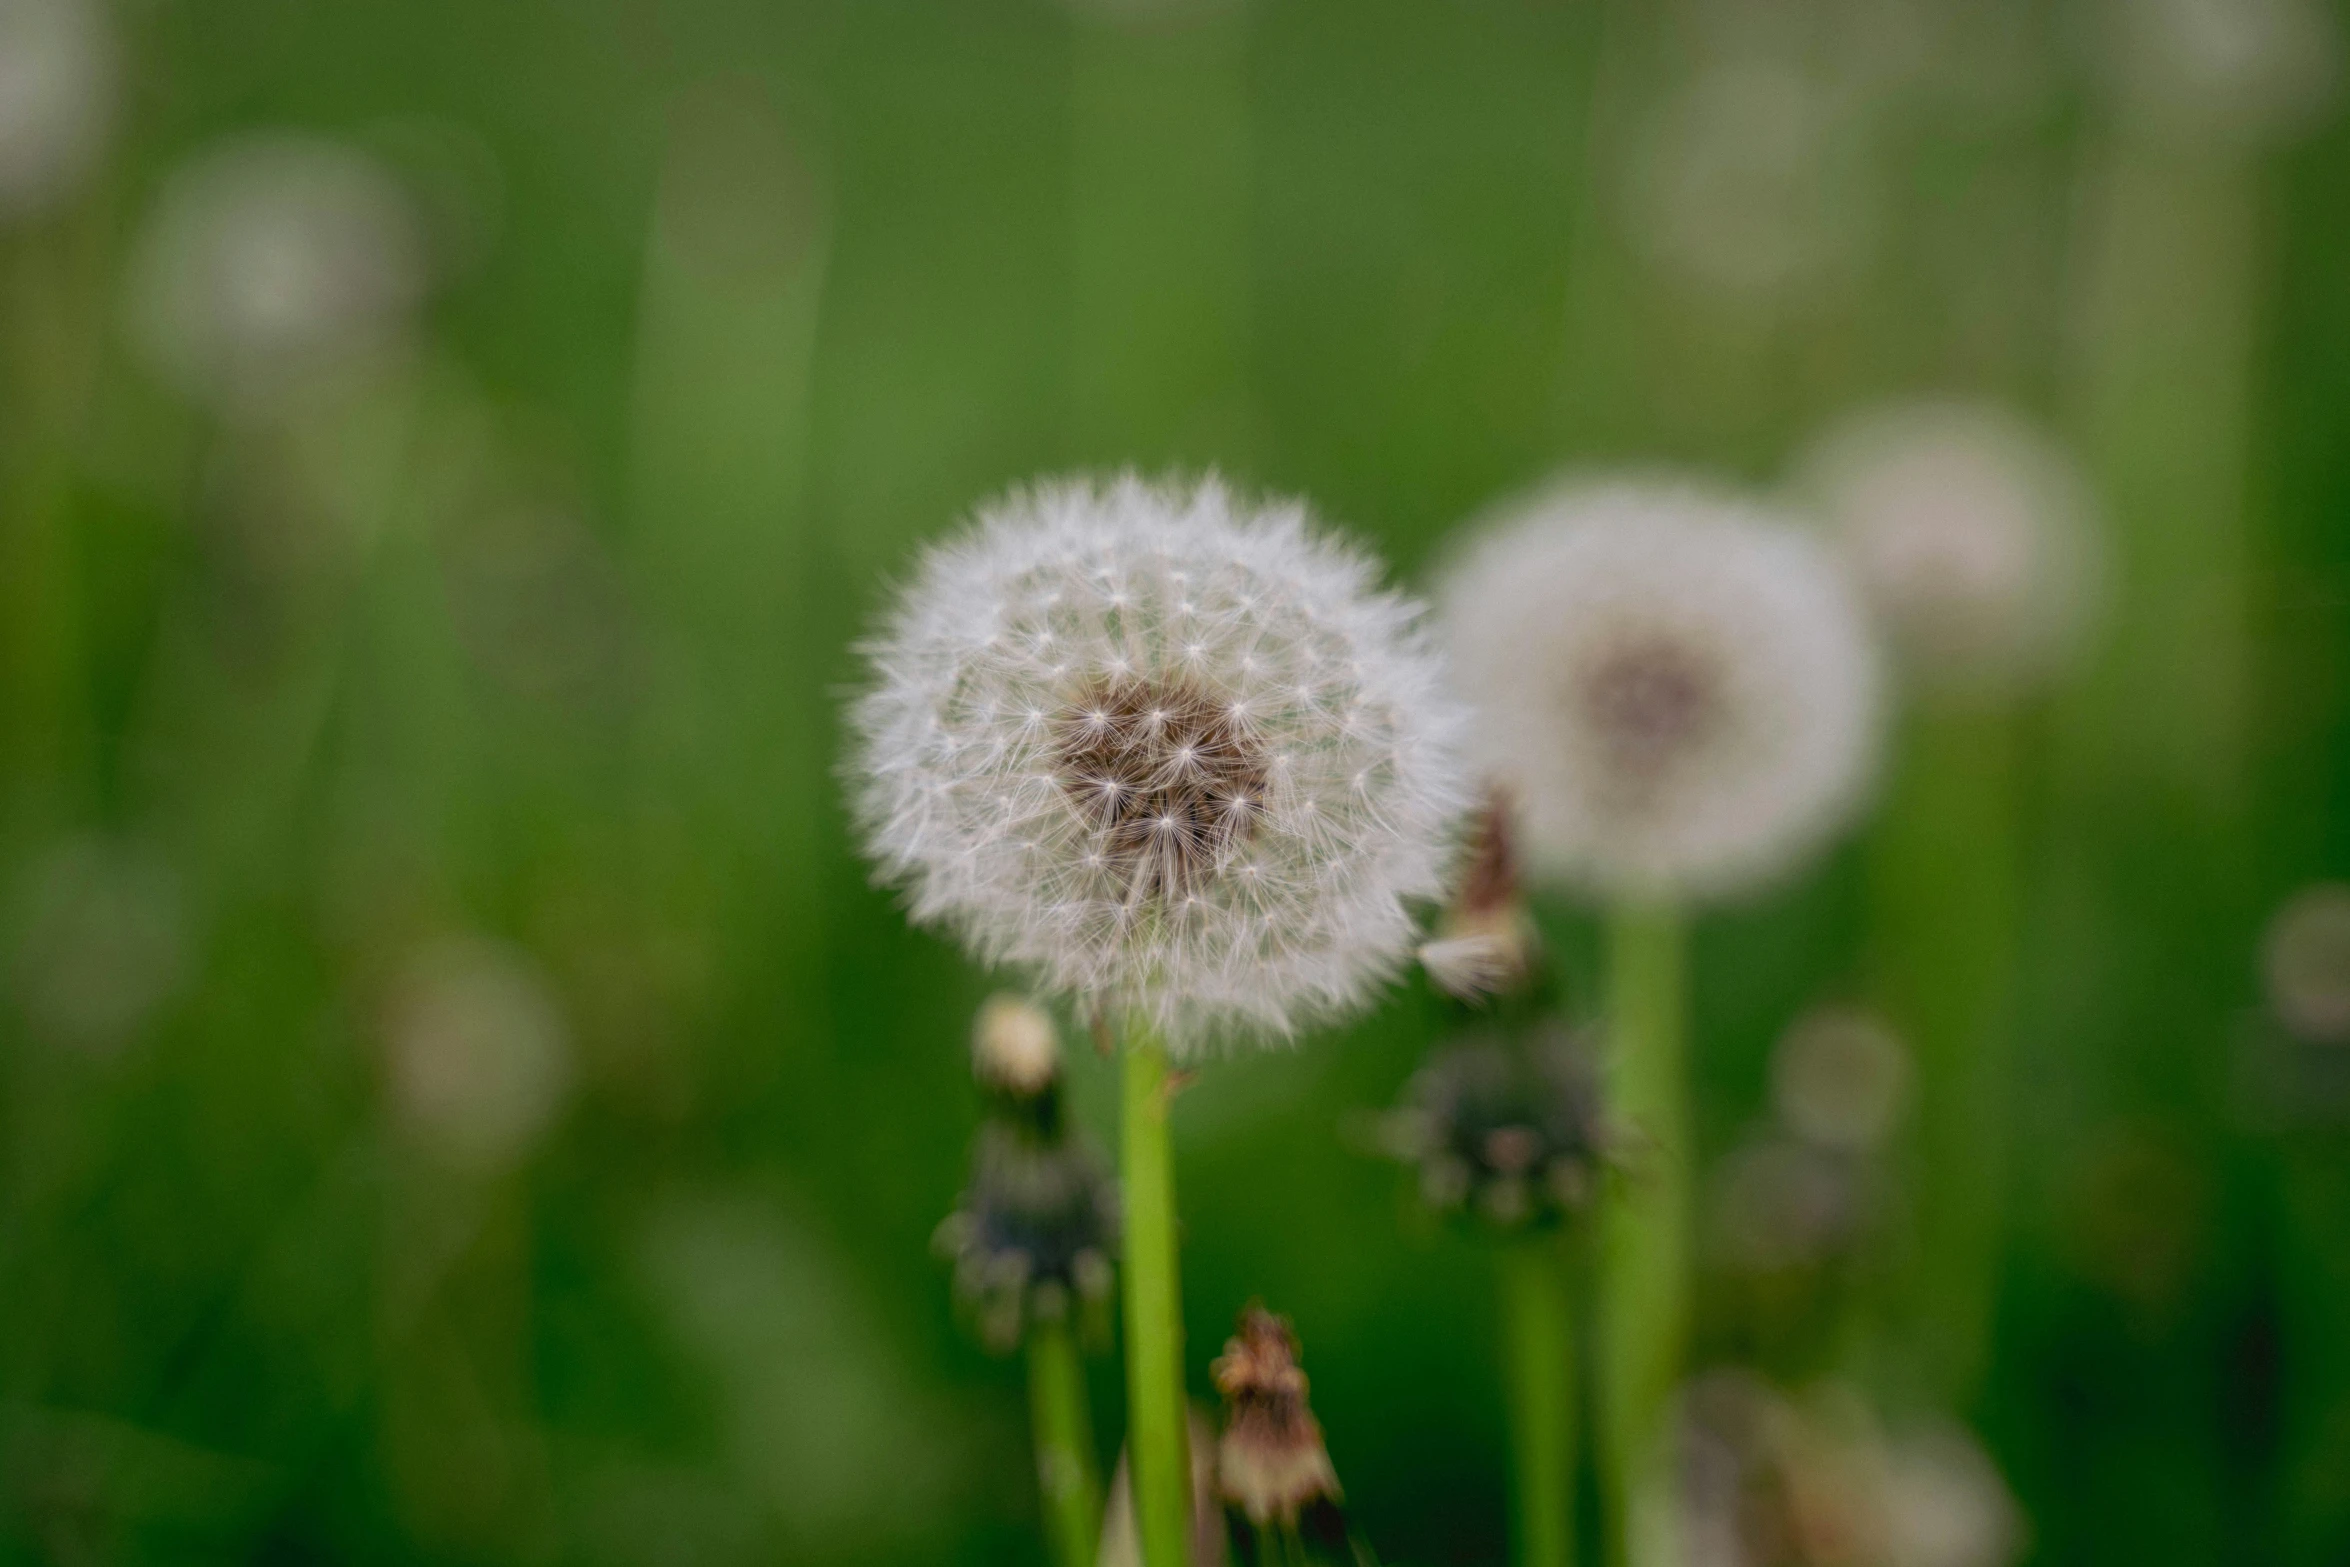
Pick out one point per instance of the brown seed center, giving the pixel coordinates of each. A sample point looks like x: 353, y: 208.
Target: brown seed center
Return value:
x: 1167, y: 775
x: 1651, y: 701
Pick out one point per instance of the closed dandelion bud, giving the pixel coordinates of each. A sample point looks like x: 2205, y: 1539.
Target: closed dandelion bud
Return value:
x: 1271, y: 1464
x: 1032, y: 1238
x: 1175, y: 755
x: 1014, y: 1049
x: 1678, y: 687
x: 1486, y: 944
x: 1511, y: 1137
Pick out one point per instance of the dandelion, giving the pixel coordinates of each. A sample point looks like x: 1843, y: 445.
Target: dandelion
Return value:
x: 2305, y: 960
x: 1181, y: 760
x: 477, y: 1055
x: 1680, y: 691
x: 1031, y: 1245
x: 270, y: 266
x: 1676, y: 685
x: 1271, y: 1466
x: 56, y: 97
x: 1840, y: 1079
x: 1970, y: 533
x: 97, y: 942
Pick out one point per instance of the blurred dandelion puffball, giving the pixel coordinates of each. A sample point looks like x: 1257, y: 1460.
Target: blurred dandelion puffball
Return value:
x: 1677, y: 686
x: 477, y: 1057
x: 1177, y: 755
x: 1840, y: 1079
x: 269, y: 266
x: 2305, y: 960
x: 1971, y: 534
x: 97, y: 942
x: 56, y: 95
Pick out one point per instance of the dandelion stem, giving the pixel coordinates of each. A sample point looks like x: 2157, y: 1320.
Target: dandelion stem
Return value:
x: 1539, y: 1368
x: 1644, y: 1283
x: 1944, y: 891
x: 1157, y: 1438
x: 1066, y: 1476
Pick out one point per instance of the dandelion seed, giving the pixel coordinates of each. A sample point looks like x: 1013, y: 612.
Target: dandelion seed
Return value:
x: 1677, y: 686
x: 1207, y: 863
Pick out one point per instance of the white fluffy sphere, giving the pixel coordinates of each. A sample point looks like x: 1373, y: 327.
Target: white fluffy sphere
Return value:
x: 1678, y: 686
x: 56, y: 96
x: 1970, y: 532
x: 270, y: 266
x: 1176, y: 755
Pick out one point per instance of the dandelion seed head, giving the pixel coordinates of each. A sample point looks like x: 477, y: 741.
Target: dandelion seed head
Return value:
x: 271, y: 265
x: 477, y: 1054
x: 1971, y: 534
x: 1224, y: 673
x: 1840, y: 1079
x: 1678, y: 688
x: 2305, y: 960
x: 56, y: 97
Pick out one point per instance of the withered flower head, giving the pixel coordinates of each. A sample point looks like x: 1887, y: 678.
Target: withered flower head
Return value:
x: 1510, y: 1135
x: 1033, y: 1236
x: 1271, y: 1463
x: 1486, y: 943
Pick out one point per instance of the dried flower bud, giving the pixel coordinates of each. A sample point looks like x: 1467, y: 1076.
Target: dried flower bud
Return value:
x: 1271, y: 1464
x: 1485, y: 945
x: 1013, y: 1048
x: 1511, y: 1136
x: 1033, y: 1236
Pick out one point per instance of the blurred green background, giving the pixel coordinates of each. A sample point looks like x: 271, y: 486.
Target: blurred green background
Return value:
x: 460, y: 1099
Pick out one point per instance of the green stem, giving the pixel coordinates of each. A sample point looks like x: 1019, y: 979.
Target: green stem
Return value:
x: 1065, y: 1473
x: 1944, y: 872
x: 1644, y: 1283
x: 1540, y: 1373
x: 1157, y: 1440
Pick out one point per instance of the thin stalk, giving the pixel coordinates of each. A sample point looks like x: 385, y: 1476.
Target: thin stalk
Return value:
x: 1944, y: 872
x: 1066, y: 1475
x: 1157, y: 1438
x: 1644, y: 1282
x: 1539, y: 1368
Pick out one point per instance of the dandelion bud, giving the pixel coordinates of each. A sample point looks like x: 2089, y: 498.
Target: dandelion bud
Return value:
x: 1014, y: 1050
x: 1678, y: 687
x: 1032, y: 1238
x: 1511, y: 1136
x: 1486, y: 943
x: 1271, y: 1463
x: 2306, y: 963
x: 1175, y: 755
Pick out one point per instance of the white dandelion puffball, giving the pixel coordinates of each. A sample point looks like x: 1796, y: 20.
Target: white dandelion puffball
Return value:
x: 477, y: 1055
x: 56, y: 96
x: 1679, y: 687
x: 1177, y: 755
x: 2305, y: 959
x: 1972, y: 535
x: 270, y: 265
